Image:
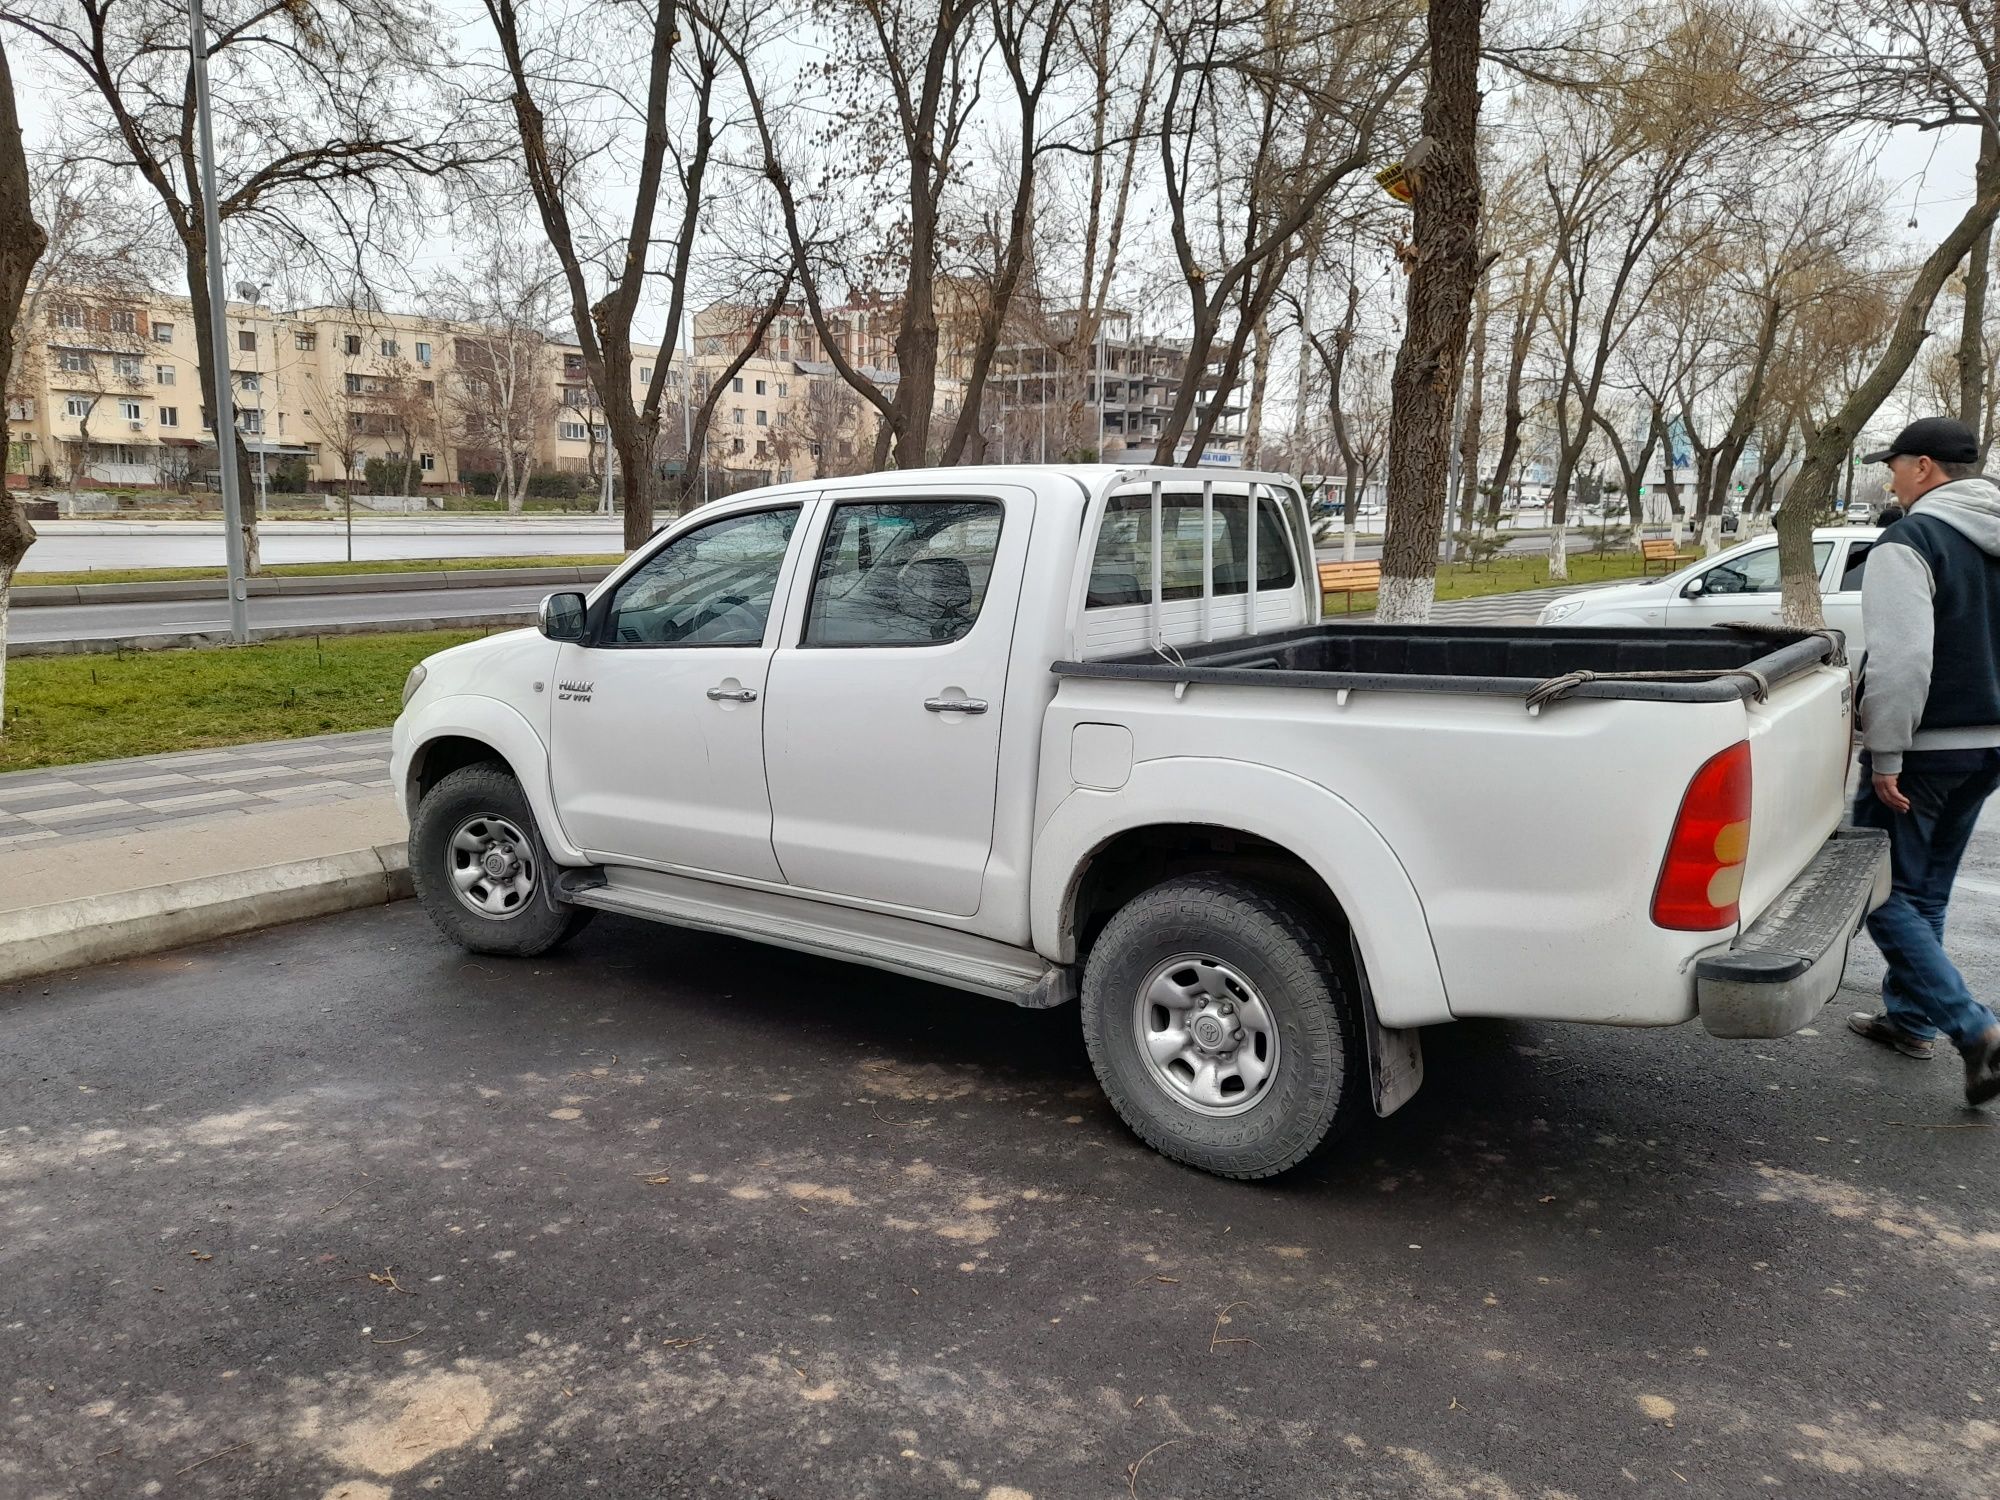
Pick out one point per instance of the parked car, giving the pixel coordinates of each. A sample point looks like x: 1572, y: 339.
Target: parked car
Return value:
x: 1078, y: 734
x: 1738, y: 585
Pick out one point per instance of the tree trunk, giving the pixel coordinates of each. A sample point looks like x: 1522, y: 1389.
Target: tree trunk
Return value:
x: 20, y: 248
x: 1827, y: 448
x: 1972, y: 326
x: 1260, y: 376
x: 1475, y: 415
x: 215, y: 384
x: 1431, y: 358
x: 1512, y: 413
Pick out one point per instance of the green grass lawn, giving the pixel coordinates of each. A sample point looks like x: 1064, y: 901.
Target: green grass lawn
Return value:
x: 26, y: 579
x: 1512, y: 574
x: 62, y: 709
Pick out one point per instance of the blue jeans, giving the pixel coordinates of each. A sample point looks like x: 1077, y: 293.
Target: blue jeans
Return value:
x: 1923, y: 991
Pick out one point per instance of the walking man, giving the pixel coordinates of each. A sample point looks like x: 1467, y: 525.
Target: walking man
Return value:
x: 1930, y: 713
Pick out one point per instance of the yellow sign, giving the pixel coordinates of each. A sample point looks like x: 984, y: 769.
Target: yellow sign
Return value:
x: 1396, y: 183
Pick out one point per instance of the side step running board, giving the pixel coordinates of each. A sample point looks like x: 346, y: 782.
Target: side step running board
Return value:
x: 896, y: 944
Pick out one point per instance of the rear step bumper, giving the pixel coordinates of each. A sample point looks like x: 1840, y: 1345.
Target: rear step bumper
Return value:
x: 1789, y: 962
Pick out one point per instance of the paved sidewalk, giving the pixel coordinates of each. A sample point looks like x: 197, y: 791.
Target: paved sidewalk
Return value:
x: 106, y: 798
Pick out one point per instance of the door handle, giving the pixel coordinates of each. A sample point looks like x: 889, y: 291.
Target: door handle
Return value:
x: 955, y: 705
x: 732, y: 695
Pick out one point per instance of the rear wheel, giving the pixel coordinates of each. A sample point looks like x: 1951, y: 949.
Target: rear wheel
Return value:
x: 477, y: 861
x: 1224, y: 1027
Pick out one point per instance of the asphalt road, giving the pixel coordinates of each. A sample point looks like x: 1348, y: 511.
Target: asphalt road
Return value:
x: 72, y: 546
x: 73, y: 622
x: 333, y: 1211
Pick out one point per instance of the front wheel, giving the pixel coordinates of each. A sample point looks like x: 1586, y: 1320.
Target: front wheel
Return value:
x: 1223, y: 1026
x: 477, y: 861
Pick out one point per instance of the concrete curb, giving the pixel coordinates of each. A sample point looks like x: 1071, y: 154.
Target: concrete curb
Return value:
x: 110, y: 645
x: 125, y: 924
x: 30, y: 596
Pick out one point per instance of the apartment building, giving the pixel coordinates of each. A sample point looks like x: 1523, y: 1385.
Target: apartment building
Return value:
x: 107, y: 394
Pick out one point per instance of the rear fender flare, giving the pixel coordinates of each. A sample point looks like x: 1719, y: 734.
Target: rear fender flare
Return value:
x: 1391, y: 935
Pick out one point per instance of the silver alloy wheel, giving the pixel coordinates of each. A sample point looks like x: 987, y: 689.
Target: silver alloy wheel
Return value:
x: 492, y: 866
x: 1207, y: 1036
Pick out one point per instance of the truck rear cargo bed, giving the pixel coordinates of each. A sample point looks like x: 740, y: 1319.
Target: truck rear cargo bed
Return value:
x: 1713, y: 665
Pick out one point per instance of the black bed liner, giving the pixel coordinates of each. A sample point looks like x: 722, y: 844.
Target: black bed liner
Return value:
x: 1721, y: 664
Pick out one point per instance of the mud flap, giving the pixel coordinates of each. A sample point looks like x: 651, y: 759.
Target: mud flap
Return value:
x: 1395, y: 1055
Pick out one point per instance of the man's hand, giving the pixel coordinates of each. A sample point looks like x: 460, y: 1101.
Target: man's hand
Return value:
x: 1890, y: 795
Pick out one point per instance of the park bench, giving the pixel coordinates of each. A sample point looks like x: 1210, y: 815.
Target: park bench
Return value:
x: 1665, y: 552
x: 1349, y: 579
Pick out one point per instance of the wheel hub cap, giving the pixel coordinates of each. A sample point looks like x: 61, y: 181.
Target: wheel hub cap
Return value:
x: 1208, y: 1038
x: 492, y: 867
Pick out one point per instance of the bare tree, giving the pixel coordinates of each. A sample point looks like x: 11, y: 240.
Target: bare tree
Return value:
x: 320, y: 115
x: 20, y: 247
x: 1443, y: 174
x: 1305, y: 91
x: 569, y: 111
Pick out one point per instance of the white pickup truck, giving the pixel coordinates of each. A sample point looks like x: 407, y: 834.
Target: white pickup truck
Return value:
x: 1054, y: 734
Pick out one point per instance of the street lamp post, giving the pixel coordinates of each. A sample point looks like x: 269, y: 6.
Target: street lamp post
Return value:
x: 224, y: 414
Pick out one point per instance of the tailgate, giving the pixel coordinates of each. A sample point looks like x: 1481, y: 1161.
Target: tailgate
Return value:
x: 1800, y: 749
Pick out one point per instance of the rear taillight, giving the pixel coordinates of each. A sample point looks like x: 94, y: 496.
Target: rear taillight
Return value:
x: 1703, y: 874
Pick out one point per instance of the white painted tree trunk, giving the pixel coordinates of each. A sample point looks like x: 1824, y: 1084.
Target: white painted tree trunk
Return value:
x: 1347, y: 543
x: 1711, y: 536
x: 1559, y: 552
x: 1405, y: 601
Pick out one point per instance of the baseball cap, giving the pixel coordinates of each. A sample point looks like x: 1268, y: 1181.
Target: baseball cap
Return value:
x: 1939, y: 438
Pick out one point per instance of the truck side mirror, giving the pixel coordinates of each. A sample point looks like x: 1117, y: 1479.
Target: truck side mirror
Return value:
x: 562, y: 617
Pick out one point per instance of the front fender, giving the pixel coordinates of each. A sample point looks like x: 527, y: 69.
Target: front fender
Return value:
x: 493, y: 723
x: 1341, y: 847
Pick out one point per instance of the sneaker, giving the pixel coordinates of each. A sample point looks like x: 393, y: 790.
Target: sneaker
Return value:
x: 1982, y: 1068
x: 1885, y: 1031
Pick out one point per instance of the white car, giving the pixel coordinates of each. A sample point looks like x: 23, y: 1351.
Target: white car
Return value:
x: 1738, y: 585
x: 1078, y: 734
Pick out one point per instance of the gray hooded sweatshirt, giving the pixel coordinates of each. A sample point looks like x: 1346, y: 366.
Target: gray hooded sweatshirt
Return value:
x: 1931, y: 606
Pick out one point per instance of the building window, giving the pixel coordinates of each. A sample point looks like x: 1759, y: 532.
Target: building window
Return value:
x: 71, y: 316
x: 305, y: 341
x: 388, y: 348
x: 170, y: 416
x: 129, y: 410
x: 246, y: 341
x: 423, y: 354
x: 760, y: 387
x: 126, y: 366
x: 575, y: 396
x: 250, y: 420
x: 248, y: 380
x: 645, y: 374
x: 207, y: 421
x: 597, y: 431
x: 572, y: 364
x: 77, y: 406
x: 353, y: 385
x: 353, y: 344
x: 736, y: 445
x: 163, y: 333
x: 572, y: 432
x: 763, y: 448
x: 763, y: 418
x: 122, y: 320
x: 73, y: 360
x: 781, y: 388
x: 736, y: 385
x: 427, y: 462
x: 427, y: 387
x: 736, y: 415
x: 163, y: 374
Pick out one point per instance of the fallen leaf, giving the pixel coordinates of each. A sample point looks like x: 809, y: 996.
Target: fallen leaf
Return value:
x: 201, y: 1255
